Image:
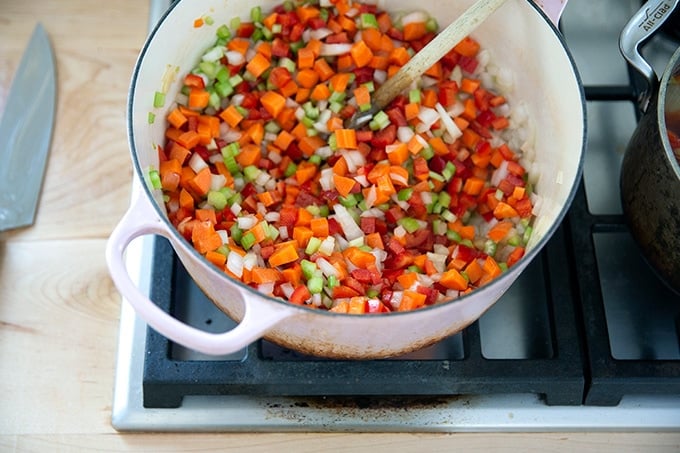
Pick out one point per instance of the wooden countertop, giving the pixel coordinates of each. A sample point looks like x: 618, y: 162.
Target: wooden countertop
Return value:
x: 58, y: 307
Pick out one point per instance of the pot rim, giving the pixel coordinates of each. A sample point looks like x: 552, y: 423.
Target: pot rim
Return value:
x: 245, y: 289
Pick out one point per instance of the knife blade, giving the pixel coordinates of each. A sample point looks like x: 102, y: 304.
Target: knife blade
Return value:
x: 26, y: 132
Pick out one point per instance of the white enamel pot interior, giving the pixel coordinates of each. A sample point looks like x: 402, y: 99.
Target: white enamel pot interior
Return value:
x: 519, y: 37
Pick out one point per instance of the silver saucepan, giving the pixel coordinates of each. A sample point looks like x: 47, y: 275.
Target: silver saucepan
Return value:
x: 519, y: 36
x: 650, y: 174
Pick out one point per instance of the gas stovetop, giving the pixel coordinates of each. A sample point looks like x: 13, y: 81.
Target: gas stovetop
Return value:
x: 582, y: 341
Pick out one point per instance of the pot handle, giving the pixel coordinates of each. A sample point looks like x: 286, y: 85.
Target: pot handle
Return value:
x: 638, y: 29
x: 140, y: 220
x: 552, y: 8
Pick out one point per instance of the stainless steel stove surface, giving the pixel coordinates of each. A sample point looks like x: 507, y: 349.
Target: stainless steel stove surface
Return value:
x: 582, y: 341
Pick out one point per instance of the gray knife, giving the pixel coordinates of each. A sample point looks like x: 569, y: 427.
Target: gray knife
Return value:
x: 26, y: 132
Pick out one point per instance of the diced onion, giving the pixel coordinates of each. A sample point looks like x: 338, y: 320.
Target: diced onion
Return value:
x: 335, y: 49
x: 453, y: 130
x: 347, y: 223
x: 234, y: 57
x: 414, y: 17
x: 197, y: 163
x: 235, y: 264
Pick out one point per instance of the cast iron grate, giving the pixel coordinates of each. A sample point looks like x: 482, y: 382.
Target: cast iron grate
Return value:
x: 266, y: 369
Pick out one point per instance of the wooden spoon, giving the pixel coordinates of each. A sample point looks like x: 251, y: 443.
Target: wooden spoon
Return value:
x: 428, y: 55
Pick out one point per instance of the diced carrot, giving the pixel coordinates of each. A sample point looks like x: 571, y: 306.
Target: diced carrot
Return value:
x: 293, y: 275
x: 397, y: 153
x: 453, y: 279
x: 273, y: 102
x: 284, y: 255
x: 414, y: 30
x: 499, y: 231
x: 339, y: 81
x: 307, y: 78
x: 176, y: 118
x: 343, y: 185
x: 305, y: 172
x: 231, y: 116
x: 468, y: 85
x: 258, y: 64
x: 491, y: 267
x: 362, y: 96
x: 341, y: 307
x: 204, y: 237
x: 504, y: 211
x: 374, y: 240
x: 216, y: 258
x: 412, y: 300
x: 248, y: 155
x: 359, y: 257
x: 283, y: 140
x: 265, y: 275
x: 320, y: 92
x: 399, y: 56
x: 206, y: 215
x: 305, y: 58
x: 319, y: 227
x: 474, y: 271
x: 473, y: 186
x: 407, y: 279
x: 198, y: 98
x: 306, y: 13
x: 309, y: 144
x: 240, y: 45
x: 324, y: 70
x: 515, y: 255
x: 346, y: 138
x: 467, y: 47
x: 302, y: 235
x: 201, y: 182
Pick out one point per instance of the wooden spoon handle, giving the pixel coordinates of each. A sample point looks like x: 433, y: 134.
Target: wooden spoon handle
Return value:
x: 434, y: 51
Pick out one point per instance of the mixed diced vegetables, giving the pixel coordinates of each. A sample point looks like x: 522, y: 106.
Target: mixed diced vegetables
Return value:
x: 427, y: 202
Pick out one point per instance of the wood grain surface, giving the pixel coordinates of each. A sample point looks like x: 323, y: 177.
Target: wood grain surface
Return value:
x: 58, y: 307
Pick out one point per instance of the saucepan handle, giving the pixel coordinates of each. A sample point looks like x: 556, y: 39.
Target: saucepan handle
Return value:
x: 638, y: 29
x: 141, y: 219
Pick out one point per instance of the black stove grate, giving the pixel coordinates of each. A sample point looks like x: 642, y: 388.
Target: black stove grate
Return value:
x: 457, y: 366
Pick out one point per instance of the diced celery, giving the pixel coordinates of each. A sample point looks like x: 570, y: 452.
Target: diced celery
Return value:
x: 223, y: 32
x: 410, y: 224
x: 256, y: 14
x: 308, y: 268
x: 236, y: 232
x: 380, y: 121
x: 315, y: 284
x: 155, y: 179
x: 290, y: 170
x: 158, y: 99
x: 490, y: 247
x: 217, y: 199
x: 527, y: 235
x: 368, y: 20
x: 248, y: 240
x: 405, y: 194
x: 453, y: 236
x: 312, y: 245
x: 251, y: 172
x: 151, y: 117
